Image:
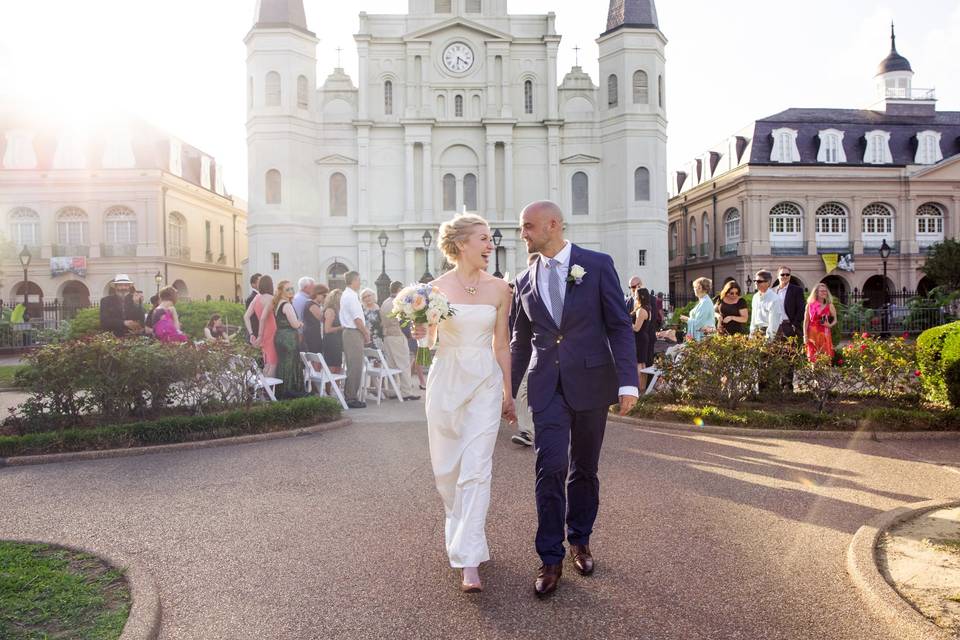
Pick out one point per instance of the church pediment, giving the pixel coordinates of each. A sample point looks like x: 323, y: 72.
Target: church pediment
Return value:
x: 580, y: 158
x: 487, y: 32
x: 948, y: 169
x: 336, y: 159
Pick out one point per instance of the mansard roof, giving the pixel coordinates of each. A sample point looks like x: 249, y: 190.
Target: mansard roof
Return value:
x: 281, y: 14
x: 635, y: 14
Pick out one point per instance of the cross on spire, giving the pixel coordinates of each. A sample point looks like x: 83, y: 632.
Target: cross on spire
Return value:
x: 576, y: 55
x: 339, y: 60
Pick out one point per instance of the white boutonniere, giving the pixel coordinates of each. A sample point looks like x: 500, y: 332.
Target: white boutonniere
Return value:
x: 576, y: 274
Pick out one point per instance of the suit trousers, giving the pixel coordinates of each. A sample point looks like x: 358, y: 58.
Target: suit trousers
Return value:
x: 397, y: 351
x: 568, y: 491
x: 524, y: 415
x: 353, y: 359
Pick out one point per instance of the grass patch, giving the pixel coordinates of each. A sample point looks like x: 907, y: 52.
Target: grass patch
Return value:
x: 262, y: 418
x: 950, y: 546
x: 48, y: 592
x: 8, y: 374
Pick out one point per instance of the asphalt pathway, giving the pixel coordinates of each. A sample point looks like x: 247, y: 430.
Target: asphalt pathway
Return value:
x: 339, y: 535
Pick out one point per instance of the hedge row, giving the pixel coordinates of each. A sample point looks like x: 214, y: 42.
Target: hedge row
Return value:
x: 264, y: 418
x: 938, y: 355
x: 193, y: 317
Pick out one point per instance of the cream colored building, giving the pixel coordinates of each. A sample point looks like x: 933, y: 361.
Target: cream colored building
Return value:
x: 808, y: 184
x: 122, y: 198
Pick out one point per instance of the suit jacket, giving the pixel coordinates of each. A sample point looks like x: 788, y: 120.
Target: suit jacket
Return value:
x: 114, y: 311
x: 591, y: 354
x: 254, y: 320
x: 794, y: 306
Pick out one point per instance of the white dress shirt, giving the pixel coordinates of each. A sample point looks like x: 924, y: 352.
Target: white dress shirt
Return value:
x: 350, y: 309
x: 543, y: 286
x: 767, y: 312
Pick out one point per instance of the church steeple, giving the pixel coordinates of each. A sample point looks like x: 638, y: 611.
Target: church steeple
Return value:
x: 637, y: 14
x: 894, y: 61
x: 281, y: 13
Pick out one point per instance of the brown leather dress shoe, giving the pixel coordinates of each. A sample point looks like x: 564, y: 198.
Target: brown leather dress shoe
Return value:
x: 582, y: 559
x: 548, y: 577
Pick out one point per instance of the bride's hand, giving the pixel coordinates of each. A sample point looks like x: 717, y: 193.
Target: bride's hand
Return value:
x: 509, y: 411
x: 419, y: 331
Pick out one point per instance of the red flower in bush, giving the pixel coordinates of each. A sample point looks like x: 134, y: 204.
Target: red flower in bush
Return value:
x: 863, y: 347
x: 865, y: 335
x: 906, y: 334
x: 840, y: 361
x: 917, y: 373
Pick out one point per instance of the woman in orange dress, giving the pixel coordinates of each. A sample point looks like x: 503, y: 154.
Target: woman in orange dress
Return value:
x: 262, y: 306
x: 820, y: 316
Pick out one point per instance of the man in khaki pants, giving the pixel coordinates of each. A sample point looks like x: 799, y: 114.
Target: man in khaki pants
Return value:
x: 395, y: 346
x: 355, y: 335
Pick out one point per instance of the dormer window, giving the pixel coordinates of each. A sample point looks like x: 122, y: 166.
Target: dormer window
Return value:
x: 784, y: 146
x: 831, y: 147
x: 878, y: 148
x: 928, y: 148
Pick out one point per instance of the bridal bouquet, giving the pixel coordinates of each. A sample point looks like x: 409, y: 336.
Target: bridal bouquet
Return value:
x: 421, y: 304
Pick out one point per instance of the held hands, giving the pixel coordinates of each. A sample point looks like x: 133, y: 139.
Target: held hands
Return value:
x: 627, y: 403
x: 509, y: 410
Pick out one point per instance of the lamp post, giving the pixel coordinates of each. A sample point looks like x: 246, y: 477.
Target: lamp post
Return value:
x: 884, y: 254
x: 427, y: 241
x: 497, y: 239
x: 159, y: 280
x: 25, y: 257
x: 383, y: 282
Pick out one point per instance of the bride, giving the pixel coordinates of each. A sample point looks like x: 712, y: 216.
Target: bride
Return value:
x: 468, y: 390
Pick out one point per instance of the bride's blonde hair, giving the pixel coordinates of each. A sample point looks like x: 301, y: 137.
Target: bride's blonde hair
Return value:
x: 457, y: 230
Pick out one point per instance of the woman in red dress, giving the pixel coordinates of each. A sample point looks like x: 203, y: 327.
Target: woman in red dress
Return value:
x: 820, y: 316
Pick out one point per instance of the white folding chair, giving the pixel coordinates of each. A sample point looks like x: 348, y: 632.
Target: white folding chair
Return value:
x: 258, y: 381
x: 320, y: 379
x: 655, y: 374
x: 376, y: 371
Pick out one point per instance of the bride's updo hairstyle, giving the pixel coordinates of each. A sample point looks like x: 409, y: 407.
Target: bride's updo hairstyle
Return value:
x: 457, y: 230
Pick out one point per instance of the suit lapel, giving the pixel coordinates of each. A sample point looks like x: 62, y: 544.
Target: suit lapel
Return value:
x: 535, y: 291
x: 571, y: 286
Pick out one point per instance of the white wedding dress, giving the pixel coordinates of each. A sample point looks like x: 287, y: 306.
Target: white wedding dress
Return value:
x: 463, y: 405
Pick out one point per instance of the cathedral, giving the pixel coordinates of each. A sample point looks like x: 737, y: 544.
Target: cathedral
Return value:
x: 456, y: 107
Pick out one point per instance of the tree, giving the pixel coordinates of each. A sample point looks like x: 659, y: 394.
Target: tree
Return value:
x: 943, y: 264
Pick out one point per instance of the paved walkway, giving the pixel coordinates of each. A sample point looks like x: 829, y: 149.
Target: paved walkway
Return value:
x: 339, y: 535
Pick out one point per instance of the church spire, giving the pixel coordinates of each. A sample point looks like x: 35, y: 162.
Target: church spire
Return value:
x: 281, y: 13
x: 637, y: 14
x: 894, y: 61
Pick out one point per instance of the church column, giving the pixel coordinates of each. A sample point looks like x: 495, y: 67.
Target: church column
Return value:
x: 363, y: 172
x: 505, y: 89
x: 491, y: 85
x: 508, y: 179
x: 426, y: 106
x: 553, y: 158
x: 410, y: 189
x: 410, y: 108
x: 809, y: 227
x: 363, y: 50
x: 409, y: 263
x: 552, y: 80
x: 427, y: 213
x: 490, y: 177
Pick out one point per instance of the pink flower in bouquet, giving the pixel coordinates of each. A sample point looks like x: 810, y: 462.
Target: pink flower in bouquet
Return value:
x: 419, y: 303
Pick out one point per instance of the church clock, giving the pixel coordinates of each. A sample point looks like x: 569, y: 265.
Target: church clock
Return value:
x: 458, y: 57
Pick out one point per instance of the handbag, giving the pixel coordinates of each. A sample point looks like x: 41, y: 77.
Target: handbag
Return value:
x: 786, y: 330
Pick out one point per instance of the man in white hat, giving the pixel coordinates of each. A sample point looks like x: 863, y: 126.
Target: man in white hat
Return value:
x: 119, y: 314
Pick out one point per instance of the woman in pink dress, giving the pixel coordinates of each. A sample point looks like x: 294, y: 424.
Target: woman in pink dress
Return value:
x: 262, y: 306
x: 819, y: 317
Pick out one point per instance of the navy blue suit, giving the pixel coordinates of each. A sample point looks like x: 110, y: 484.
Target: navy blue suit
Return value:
x: 575, y: 372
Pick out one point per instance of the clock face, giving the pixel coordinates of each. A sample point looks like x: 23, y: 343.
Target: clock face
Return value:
x: 458, y: 57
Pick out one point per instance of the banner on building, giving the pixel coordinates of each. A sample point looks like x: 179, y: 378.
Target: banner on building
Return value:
x: 846, y: 263
x: 76, y: 265
x: 830, y: 261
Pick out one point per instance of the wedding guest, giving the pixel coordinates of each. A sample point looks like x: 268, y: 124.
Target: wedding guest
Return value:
x: 644, y: 331
x: 395, y: 346
x: 261, y: 308
x: 701, y: 320
x: 166, y: 321
x: 819, y: 319
x: 216, y: 331
x: 304, y: 295
x: 794, y: 306
x: 658, y: 304
x: 732, y: 312
x: 333, y: 332
x: 355, y: 335
x: 119, y: 314
x: 286, y: 340
x: 148, y: 322
x: 766, y: 314
x: 313, y: 320
x: 254, y: 325
x: 634, y: 284
x: 372, y: 317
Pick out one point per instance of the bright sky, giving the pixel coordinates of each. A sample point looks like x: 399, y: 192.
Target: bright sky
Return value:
x: 180, y: 63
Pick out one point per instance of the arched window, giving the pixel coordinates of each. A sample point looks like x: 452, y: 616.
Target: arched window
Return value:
x: 474, y: 6
x: 928, y: 148
x: 458, y: 106
x: 442, y: 6
x: 388, y: 98
x: 528, y: 97
x: 335, y: 275
x: 25, y: 227
x: 176, y: 234
x: 72, y: 227
x: 660, y: 92
x: 613, y: 91
x: 274, y: 184
x: 785, y: 148
x: 786, y: 223
x: 641, y: 87
x: 470, y: 192
x: 930, y: 220
x: 705, y: 245
x: 731, y: 226
x: 878, y: 148
x: 831, y: 219
x: 449, y: 192
x: 338, y: 194
x: 580, y: 186
x: 878, y: 220
x: 303, y: 92
x: 831, y: 147
x: 692, y: 238
x: 119, y: 226
x: 674, y: 240
x: 641, y: 184
x: 272, y: 89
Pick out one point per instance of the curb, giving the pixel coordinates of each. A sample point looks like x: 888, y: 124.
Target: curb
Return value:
x: 789, y: 434
x: 52, y: 458
x: 143, y: 622
x: 879, y: 594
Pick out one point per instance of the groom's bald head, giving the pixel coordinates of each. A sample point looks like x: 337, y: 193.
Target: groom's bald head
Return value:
x: 541, y: 227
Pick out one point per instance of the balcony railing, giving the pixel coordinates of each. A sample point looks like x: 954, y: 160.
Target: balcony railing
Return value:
x: 729, y: 249
x: 178, y: 252
x: 673, y: 254
x: 118, y: 250
x: 71, y: 250
x: 788, y: 248
x: 705, y: 250
x: 222, y: 258
x: 873, y: 246
x: 209, y: 256
x: 899, y: 93
x: 834, y: 246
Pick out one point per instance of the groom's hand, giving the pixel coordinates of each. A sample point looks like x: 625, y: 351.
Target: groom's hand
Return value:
x: 627, y: 403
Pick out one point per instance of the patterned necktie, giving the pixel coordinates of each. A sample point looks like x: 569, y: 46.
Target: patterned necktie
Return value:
x: 553, y: 290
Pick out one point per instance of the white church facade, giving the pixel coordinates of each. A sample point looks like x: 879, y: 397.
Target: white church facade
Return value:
x: 457, y: 106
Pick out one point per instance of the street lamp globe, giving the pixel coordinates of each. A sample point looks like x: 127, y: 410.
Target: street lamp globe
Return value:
x: 884, y: 249
x: 25, y: 257
x: 383, y: 238
x: 497, y: 238
x: 427, y: 239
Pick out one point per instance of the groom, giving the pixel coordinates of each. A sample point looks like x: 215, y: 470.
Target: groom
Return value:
x: 573, y: 333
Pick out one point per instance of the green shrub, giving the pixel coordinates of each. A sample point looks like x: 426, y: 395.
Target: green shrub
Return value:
x: 264, y: 418
x: 193, y: 317
x: 930, y: 345
x: 950, y: 359
x: 85, y: 323
x: 881, y: 368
